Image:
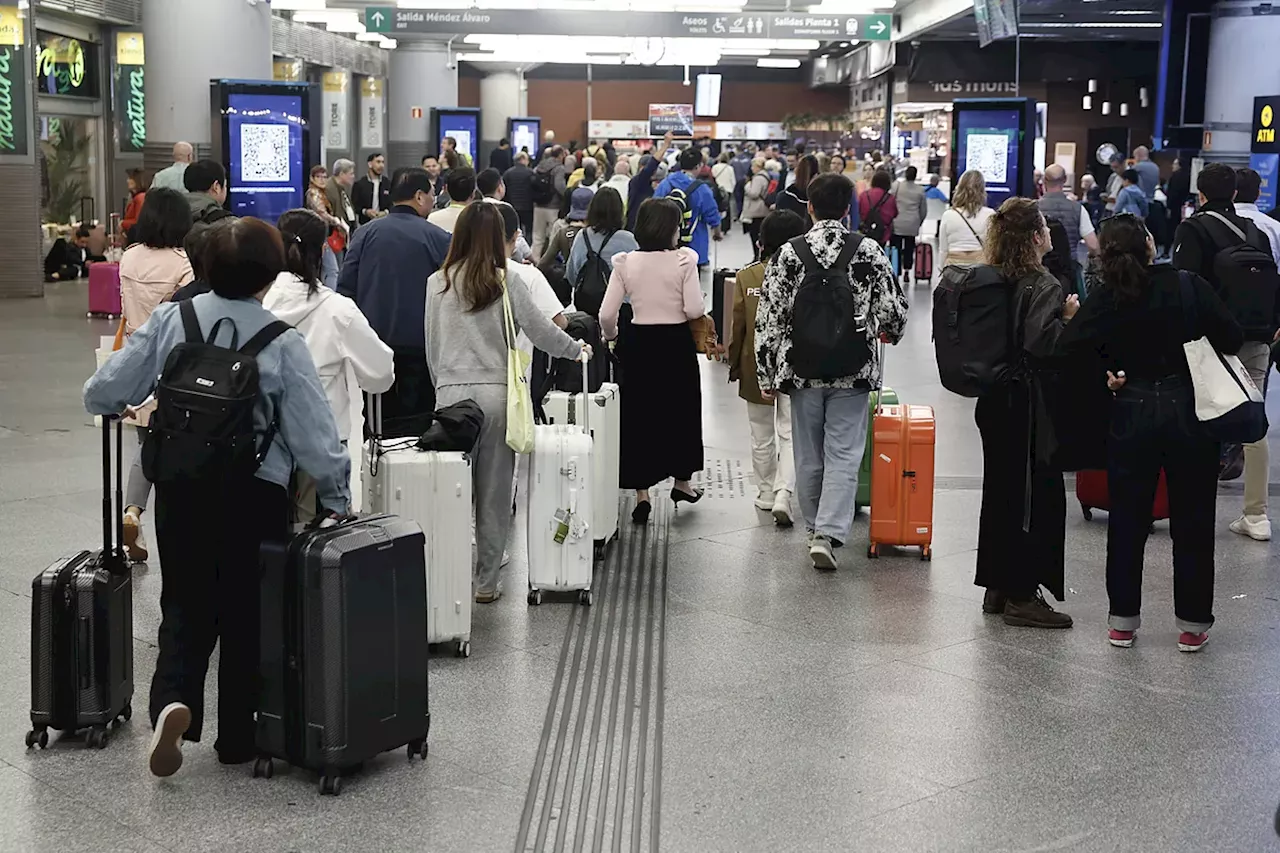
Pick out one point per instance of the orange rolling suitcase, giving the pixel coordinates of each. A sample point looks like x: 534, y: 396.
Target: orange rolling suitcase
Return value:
x: 902, y: 479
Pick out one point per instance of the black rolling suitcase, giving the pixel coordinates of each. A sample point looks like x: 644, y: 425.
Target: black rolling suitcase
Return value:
x: 82, y: 629
x: 344, y: 647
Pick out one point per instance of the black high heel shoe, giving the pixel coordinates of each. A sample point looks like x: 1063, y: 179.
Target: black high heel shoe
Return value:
x: 640, y: 514
x: 678, y: 497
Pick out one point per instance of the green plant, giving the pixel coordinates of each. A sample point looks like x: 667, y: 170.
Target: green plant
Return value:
x: 66, y: 157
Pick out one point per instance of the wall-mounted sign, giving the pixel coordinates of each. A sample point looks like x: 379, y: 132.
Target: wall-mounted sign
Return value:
x: 1267, y: 166
x: 676, y: 118
x: 334, y: 87
x: 13, y: 83
x: 66, y: 66
x: 617, y: 129
x: 371, y: 113
x: 287, y: 70
x: 131, y: 95
x: 1266, y: 117
x: 759, y: 25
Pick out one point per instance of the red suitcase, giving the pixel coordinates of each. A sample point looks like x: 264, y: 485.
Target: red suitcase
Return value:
x: 1092, y: 492
x: 924, y: 262
x: 104, y: 289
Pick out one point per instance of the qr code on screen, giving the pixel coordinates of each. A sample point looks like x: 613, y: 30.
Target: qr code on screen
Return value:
x: 988, y: 153
x: 264, y: 153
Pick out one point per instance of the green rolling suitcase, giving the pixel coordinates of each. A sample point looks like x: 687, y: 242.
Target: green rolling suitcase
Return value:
x: 864, y: 472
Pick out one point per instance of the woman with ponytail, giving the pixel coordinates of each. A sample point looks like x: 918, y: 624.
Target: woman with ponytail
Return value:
x: 1022, y: 531
x: 1137, y: 320
x: 348, y: 354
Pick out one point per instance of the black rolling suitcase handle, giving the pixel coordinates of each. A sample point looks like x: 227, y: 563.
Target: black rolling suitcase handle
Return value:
x: 113, y: 556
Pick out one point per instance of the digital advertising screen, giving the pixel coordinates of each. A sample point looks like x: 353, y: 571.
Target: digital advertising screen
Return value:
x: 990, y: 139
x: 524, y: 134
x: 268, y: 174
x: 464, y: 127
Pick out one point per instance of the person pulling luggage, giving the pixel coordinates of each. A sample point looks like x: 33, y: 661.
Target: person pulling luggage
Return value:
x: 221, y: 478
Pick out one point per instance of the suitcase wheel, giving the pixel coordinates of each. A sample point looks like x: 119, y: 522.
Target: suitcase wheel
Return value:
x: 126, y: 713
x: 873, y: 551
x: 418, y: 748
x: 585, y: 598
x: 38, y: 737
x: 263, y: 767
x: 463, y: 649
x: 926, y: 554
x: 535, y: 597
x: 331, y: 785
x: 97, y: 738
x: 1087, y: 511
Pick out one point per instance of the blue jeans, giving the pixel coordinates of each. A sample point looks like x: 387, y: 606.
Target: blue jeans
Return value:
x: 828, y: 435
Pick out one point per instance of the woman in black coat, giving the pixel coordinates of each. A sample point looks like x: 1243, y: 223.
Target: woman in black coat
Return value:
x: 796, y: 197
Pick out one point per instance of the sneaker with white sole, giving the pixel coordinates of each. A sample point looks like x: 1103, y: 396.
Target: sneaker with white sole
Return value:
x: 135, y: 543
x: 782, y: 508
x: 489, y: 596
x: 1189, y: 642
x: 820, y: 553
x: 764, y: 499
x: 165, y: 756
x: 1121, y: 639
x: 1256, y: 527
x: 506, y: 558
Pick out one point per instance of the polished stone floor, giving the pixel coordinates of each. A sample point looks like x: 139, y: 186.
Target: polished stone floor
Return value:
x: 763, y: 707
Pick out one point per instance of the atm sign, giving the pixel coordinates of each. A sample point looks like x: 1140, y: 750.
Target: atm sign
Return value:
x: 1264, y: 125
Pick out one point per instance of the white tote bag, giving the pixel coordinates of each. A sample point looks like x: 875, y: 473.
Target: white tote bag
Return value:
x: 1228, y: 404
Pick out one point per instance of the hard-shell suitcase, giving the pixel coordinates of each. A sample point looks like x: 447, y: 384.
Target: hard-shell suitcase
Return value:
x: 559, y: 515
x: 924, y: 262
x: 723, y: 282
x: 82, y: 629
x: 1093, y: 493
x: 863, y: 497
x: 104, y: 289
x: 344, y: 647
x: 902, y: 479
x: 606, y: 430
x: 432, y: 488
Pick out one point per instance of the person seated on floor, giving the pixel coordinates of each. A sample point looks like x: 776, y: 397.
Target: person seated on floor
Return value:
x: 68, y: 259
x: 214, y: 512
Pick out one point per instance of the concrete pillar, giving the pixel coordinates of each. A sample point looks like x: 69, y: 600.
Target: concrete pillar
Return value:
x: 421, y: 77
x: 1236, y: 76
x: 502, y: 96
x: 234, y: 41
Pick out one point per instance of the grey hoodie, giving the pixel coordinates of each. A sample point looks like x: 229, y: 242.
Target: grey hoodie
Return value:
x: 556, y: 168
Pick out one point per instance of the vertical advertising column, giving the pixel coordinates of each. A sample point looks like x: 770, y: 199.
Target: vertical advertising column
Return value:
x: 20, y: 213
x: 131, y: 93
x: 336, y: 126
x: 373, y: 132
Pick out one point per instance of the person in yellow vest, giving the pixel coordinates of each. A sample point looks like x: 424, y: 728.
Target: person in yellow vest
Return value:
x: 770, y: 420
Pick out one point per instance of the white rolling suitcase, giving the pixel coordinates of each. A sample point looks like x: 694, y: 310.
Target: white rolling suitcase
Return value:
x: 432, y: 488
x: 561, y: 544
x: 606, y: 428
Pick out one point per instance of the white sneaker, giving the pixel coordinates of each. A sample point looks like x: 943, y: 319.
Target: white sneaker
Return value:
x: 135, y: 543
x: 764, y: 499
x: 506, y: 558
x: 1254, y: 526
x: 165, y: 755
x: 782, y: 508
x: 820, y: 553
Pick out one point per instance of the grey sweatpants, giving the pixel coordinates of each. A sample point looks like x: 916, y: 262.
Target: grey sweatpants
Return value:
x: 828, y: 435
x: 139, y: 489
x: 492, y: 466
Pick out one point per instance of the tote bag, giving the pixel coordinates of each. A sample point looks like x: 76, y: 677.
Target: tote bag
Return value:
x: 1228, y: 404
x: 519, y: 400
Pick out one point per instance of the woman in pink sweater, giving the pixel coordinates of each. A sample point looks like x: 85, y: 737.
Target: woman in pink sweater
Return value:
x: 661, y: 394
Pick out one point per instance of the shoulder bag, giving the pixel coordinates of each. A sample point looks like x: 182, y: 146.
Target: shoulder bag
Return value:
x: 519, y: 400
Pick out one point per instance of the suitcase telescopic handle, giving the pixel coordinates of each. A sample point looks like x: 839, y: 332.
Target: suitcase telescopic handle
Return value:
x: 113, y: 551
x: 586, y: 392
x: 880, y: 384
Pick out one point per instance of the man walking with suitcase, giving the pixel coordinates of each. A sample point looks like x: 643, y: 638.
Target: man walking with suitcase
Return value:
x: 826, y: 297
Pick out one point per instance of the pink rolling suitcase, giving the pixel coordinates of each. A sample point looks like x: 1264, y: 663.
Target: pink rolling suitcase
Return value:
x: 104, y: 289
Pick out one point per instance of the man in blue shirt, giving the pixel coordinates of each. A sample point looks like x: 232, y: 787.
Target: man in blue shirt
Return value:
x: 703, y: 213
x: 385, y: 272
x: 933, y: 191
x: 1148, y: 172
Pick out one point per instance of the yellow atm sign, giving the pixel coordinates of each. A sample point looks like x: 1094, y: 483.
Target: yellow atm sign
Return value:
x: 1264, y: 125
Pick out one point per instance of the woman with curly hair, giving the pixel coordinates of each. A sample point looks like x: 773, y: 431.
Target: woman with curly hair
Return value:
x: 1022, y: 529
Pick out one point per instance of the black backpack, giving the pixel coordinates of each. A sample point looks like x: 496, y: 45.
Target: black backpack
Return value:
x: 829, y: 340
x: 684, y: 200
x: 565, y: 374
x: 973, y: 330
x: 1244, y: 275
x: 593, y: 278
x: 542, y: 188
x: 202, y: 428
x: 873, y: 226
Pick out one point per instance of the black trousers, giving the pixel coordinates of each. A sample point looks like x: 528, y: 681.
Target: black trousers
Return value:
x: 209, y: 535
x: 409, y: 405
x: 906, y: 245
x: 1012, y: 560
x: 1153, y: 426
x: 753, y: 231
x: 526, y: 224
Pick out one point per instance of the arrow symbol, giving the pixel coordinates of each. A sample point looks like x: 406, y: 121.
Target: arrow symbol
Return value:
x: 877, y: 28
x: 377, y: 18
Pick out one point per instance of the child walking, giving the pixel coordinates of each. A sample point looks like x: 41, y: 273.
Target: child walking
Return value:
x: 770, y: 422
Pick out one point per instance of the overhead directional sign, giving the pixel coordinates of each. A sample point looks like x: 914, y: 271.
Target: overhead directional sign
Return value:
x: 759, y: 25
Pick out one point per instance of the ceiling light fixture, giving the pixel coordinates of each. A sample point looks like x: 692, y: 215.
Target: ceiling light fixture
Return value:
x: 297, y: 5
x: 1106, y: 108
x: 769, y: 62
x: 1124, y: 108
x: 1093, y: 86
x: 1087, y: 103
x: 1097, y: 25
x: 1144, y: 97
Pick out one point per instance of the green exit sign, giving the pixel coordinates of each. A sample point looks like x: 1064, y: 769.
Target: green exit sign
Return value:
x: 379, y: 19
x: 877, y: 27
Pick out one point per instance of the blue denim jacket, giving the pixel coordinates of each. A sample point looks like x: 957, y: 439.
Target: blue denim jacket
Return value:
x: 290, y: 391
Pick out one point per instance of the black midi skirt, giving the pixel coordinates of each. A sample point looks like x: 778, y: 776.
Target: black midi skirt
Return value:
x: 661, y: 405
